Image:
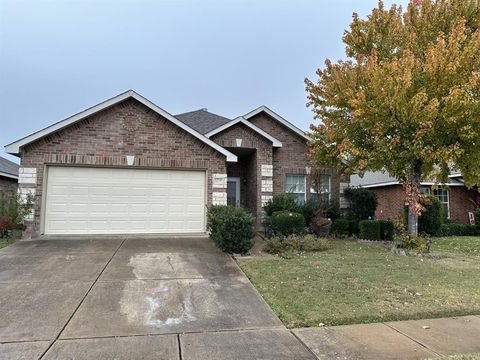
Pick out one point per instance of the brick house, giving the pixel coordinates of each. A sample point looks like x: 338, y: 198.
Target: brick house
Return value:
x: 128, y: 166
x: 8, y: 175
x: 456, y: 198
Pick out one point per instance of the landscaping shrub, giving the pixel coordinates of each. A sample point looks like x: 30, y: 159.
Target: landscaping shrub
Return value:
x: 387, y: 229
x: 308, y: 210
x: 283, y: 245
x: 231, y: 228
x: 341, y: 227
x: 13, y: 210
x: 320, y: 225
x: 369, y: 229
x: 477, y: 220
x: 353, y: 227
x: 420, y: 243
x: 432, y: 218
x: 284, y: 223
x: 362, y: 203
x: 279, y: 203
x: 331, y: 209
x: 457, y: 229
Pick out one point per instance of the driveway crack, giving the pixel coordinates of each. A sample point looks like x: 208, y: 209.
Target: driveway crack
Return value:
x: 82, y: 300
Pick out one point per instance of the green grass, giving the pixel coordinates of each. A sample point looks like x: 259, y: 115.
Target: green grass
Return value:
x: 355, y: 282
x: 6, y: 242
x: 459, y: 357
x: 468, y: 245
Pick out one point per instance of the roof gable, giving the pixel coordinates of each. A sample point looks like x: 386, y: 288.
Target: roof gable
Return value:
x: 278, y: 118
x: 241, y: 120
x: 14, y: 148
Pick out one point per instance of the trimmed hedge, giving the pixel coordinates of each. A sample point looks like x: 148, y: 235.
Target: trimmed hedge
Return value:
x: 387, y: 230
x: 432, y: 218
x: 281, y: 246
x: 231, y: 228
x: 284, y: 223
x: 353, y: 227
x: 369, y: 230
x: 457, y: 229
x: 341, y: 227
x: 280, y: 202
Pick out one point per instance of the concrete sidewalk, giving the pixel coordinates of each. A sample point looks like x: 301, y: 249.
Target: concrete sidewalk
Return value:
x: 415, y: 339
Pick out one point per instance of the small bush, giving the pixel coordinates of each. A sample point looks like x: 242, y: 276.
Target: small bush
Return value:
x: 321, y: 225
x: 387, y: 229
x: 280, y: 202
x: 286, y: 223
x: 362, y: 203
x: 13, y: 210
x: 432, y: 218
x: 369, y: 229
x: 420, y: 243
x: 353, y: 227
x: 231, y: 228
x: 308, y: 210
x: 281, y: 246
x: 456, y: 229
x: 331, y: 209
x: 341, y: 227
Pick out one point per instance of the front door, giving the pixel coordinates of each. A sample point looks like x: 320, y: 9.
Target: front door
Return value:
x: 233, y: 191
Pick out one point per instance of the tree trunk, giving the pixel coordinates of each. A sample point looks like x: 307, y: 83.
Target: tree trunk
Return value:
x: 412, y: 221
x: 415, y: 199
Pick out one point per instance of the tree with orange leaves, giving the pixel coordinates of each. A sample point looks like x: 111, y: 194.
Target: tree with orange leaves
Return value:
x: 407, y: 99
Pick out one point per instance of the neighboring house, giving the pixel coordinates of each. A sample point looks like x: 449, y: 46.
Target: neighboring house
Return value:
x: 8, y: 175
x: 456, y: 198
x: 128, y: 166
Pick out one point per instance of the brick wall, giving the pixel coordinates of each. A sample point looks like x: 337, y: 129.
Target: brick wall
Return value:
x: 460, y: 203
x: 8, y: 184
x: 252, y: 164
x: 392, y: 198
x: 104, y: 139
x: 291, y: 157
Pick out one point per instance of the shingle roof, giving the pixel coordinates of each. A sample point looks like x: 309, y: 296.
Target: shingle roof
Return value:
x: 202, y: 120
x: 379, y: 178
x: 8, y: 167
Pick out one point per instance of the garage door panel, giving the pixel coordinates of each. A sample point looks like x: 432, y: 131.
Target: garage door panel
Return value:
x: 82, y: 200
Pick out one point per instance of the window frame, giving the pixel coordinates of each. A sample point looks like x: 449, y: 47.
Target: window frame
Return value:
x: 304, y: 185
x: 430, y: 191
x: 447, y: 195
x: 314, y: 191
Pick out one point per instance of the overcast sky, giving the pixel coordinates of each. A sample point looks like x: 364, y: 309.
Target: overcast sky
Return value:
x: 59, y: 57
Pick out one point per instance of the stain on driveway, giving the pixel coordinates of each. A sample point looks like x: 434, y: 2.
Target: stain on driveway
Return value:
x: 70, y: 293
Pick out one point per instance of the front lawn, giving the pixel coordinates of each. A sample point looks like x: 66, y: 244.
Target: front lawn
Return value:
x: 360, y: 283
x: 6, y: 242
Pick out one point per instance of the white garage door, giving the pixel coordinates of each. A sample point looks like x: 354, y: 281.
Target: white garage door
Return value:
x: 82, y: 200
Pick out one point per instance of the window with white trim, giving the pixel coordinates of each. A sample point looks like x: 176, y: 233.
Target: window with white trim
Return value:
x: 296, y: 186
x: 321, y: 188
x: 442, y: 195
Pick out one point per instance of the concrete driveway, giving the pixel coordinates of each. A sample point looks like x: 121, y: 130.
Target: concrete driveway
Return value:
x: 133, y: 298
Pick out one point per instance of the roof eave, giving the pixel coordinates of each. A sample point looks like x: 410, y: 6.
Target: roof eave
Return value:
x: 12, y: 176
x: 277, y: 117
x: 275, y: 142
x: 14, y: 148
